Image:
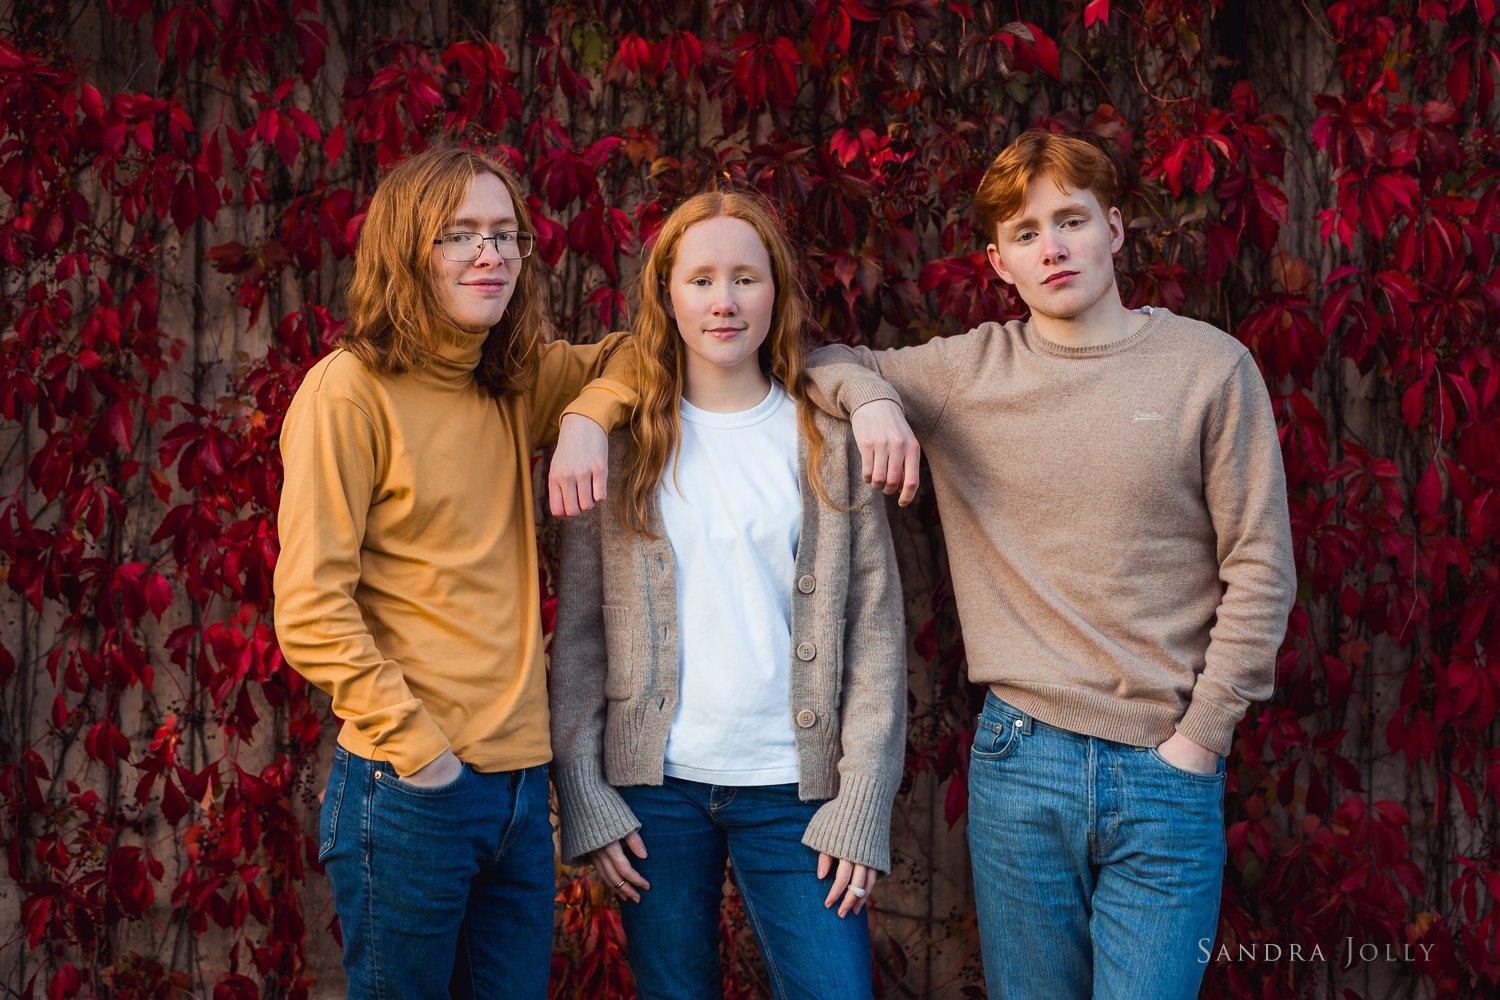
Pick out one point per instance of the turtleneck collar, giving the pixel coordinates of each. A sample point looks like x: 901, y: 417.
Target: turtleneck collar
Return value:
x: 457, y: 355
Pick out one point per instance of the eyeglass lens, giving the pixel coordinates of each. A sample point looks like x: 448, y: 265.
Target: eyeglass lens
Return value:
x: 510, y: 245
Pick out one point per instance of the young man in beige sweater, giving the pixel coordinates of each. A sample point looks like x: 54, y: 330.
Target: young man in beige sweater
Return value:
x: 1116, y: 519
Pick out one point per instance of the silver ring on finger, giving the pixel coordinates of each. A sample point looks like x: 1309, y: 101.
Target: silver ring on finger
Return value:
x: 858, y: 892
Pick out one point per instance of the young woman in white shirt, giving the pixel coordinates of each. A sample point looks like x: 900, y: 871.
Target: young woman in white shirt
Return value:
x: 728, y: 676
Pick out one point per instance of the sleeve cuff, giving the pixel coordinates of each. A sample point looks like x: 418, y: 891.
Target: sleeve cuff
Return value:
x: 1209, y: 725
x: 416, y: 744
x: 605, y: 401
x: 856, y: 392
x: 856, y: 823
x: 591, y: 813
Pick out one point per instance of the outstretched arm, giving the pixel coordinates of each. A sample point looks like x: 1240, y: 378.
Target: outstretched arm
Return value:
x: 891, y: 399
x: 580, y: 416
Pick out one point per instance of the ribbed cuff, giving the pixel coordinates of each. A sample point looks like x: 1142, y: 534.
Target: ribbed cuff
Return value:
x: 859, y: 390
x: 591, y: 813
x: 1208, y: 725
x: 855, y: 824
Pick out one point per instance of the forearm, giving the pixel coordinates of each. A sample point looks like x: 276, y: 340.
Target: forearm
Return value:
x: 592, y: 813
x: 1245, y: 490
x: 842, y: 379
x: 855, y: 824
x: 330, y: 450
x: 597, y: 381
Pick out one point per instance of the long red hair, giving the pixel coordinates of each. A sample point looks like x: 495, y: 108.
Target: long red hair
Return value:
x: 656, y: 429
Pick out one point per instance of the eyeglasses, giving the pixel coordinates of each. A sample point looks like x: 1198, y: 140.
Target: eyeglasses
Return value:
x: 465, y: 247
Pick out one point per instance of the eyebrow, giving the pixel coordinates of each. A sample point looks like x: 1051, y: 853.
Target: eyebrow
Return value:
x: 475, y: 224
x: 1073, y: 208
x: 740, y: 268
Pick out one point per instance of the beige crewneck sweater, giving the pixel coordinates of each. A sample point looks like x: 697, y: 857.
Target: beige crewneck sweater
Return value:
x: 407, y: 584
x: 1116, y: 518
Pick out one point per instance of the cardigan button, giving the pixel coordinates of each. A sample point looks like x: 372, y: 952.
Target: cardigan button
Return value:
x: 806, y: 651
x: 806, y: 718
x: 807, y: 584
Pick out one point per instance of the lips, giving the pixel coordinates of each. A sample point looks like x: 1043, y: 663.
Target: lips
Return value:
x: 1059, y: 276
x: 486, y: 286
x: 725, y: 332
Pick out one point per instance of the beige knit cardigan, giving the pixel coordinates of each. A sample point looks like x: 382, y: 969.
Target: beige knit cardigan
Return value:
x: 614, y: 663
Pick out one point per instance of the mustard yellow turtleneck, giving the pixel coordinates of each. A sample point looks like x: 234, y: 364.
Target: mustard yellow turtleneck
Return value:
x: 407, y: 585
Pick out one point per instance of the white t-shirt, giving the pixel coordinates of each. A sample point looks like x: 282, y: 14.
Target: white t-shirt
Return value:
x: 733, y: 515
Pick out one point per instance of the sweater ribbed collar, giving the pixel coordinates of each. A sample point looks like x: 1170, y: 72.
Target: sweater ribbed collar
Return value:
x: 1154, y: 321
x: 456, y: 356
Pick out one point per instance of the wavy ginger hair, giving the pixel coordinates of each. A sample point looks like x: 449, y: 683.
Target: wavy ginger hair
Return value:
x: 395, y: 317
x: 656, y: 428
x: 1039, y: 153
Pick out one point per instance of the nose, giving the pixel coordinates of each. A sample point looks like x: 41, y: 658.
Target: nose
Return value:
x: 489, y: 255
x: 724, y: 303
x: 1054, y: 250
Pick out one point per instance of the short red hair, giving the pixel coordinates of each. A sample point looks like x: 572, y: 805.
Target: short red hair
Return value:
x: 1035, y: 153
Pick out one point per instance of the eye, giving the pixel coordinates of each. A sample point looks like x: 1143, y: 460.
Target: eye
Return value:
x: 505, y: 238
x: 1025, y: 236
x: 700, y: 282
x: 1073, y: 223
x: 745, y: 279
x: 459, y: 239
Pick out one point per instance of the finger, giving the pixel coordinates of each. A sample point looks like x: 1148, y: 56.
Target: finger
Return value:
x: 586, y: 491
x: 854, y: 901
x: 840, y: 883
x: 625, y: 872
x: 570, y: 497
x: 880, y: 472
x: 620, y: 878
x: 601, y: 480
x: 913, y: 473
x: 867, y: 880
x: 636, y: 844
x: 866, y: 460
x: 554, y: 496
x: 825, y: 862
x: 895, y: 470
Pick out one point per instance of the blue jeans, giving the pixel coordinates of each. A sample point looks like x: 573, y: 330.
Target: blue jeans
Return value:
x: 440, y: 891
x: 1097, y: 865
x: 672, y: 934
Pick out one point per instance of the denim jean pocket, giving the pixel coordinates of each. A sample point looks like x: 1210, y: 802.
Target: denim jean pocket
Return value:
x: 386, y: 775
x: 1217, y: 778
x: 996, y: 740
x: 333, y: 800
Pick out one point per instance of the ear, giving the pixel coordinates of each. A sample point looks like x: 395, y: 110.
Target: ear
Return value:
x: 993, y: 253
x: 1116, y: 231
x: 666, y: 304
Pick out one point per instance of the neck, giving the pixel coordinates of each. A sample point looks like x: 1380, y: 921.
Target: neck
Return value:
x: 721, y: 390
x: 1105, y: 322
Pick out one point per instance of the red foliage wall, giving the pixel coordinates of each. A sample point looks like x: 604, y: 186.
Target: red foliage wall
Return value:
x: 1321, y: 180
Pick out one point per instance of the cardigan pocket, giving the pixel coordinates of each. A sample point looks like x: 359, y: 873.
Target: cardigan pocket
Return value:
x: 623, y: 646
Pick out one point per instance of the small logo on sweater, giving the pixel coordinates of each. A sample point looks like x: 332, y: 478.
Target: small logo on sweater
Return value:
x: 1140, y: 415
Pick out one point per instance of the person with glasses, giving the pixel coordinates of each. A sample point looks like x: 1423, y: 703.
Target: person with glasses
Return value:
x: 407, y: 585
